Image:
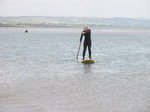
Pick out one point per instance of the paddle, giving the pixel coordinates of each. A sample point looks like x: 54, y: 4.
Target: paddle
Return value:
x: 78, y: 50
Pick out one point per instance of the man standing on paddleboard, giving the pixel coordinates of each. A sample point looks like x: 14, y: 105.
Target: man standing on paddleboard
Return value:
x: 87, y: 40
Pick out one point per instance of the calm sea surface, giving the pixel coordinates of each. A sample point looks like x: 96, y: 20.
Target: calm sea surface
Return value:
x: 39, y: 71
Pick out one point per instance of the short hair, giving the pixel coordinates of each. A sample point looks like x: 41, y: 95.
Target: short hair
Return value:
x: 86, y: 26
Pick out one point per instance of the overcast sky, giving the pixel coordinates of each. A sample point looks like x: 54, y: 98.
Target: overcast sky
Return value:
x: 80, y: 8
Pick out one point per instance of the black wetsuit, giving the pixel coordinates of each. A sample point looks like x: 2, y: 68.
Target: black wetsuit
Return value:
x: 87, y: 42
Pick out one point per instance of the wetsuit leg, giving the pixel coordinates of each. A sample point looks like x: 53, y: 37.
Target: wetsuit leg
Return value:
x: 89, y: 49
x: 84, y: 49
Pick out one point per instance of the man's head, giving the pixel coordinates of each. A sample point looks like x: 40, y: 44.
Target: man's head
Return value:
x: 85, y: 27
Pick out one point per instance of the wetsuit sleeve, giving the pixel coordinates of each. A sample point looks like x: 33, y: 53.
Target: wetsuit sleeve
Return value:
x: 88, y: 31
x: 81, y: 37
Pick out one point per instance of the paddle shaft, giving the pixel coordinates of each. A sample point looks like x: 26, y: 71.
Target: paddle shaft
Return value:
x: 78, y: 51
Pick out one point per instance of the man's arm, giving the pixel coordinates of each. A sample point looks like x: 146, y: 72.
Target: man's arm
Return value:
x: 87, y: 32
x: 81, y: 37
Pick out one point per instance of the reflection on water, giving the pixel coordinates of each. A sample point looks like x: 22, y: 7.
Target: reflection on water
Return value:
x: 87, y: 68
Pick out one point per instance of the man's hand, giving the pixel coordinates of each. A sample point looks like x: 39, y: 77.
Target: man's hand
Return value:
x: 83, y: 32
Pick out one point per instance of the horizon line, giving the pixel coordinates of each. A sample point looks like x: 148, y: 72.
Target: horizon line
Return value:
x: 81, y: 17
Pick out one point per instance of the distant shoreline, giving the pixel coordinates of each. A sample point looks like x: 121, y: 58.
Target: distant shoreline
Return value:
x: 42, y: 21
x: 103, y: 26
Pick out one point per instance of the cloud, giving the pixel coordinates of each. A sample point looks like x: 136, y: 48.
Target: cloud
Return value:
x: 91, y: 8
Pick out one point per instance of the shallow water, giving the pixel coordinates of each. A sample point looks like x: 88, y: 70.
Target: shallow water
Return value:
x: 39, y: 72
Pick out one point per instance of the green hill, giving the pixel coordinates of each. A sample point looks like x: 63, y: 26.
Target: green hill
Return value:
x: 71, y: 21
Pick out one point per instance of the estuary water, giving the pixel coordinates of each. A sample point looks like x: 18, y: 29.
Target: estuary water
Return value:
x: 39, y: 71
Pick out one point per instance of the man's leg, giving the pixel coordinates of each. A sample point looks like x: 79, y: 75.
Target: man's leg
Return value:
x: 89, y: 49
x: 84, y: 50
